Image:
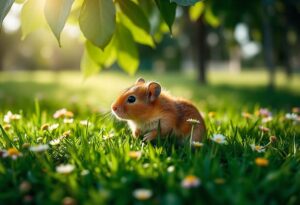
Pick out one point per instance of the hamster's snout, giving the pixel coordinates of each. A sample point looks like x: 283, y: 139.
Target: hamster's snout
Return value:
x: 114, y: 108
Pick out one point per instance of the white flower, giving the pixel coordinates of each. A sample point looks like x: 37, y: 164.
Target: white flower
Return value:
x: 171, y: 169
x: 63, y: 113
x: 109, y: 136
x: 85, y: 123
x: 257, y: 148
x: 12, y: 152
x: 193, y: 121
x: 39, y: 148
x: 39, y: 139
x: 68, y: 121
x: 267, y: 119
x: 53, y: 126
x: 264, y: 112
x: 146, y: 165
x: 84, y: 172
x: 142, y: 194
x: 291, y: 116
x: 219, y: 138
x: 65, y: 168
x: 190, y: 181
x: 10, y: 117
x: 54, y: 142
x: 197, y: 144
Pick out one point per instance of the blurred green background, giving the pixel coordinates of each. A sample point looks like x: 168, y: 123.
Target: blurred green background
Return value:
x: 219, y: 53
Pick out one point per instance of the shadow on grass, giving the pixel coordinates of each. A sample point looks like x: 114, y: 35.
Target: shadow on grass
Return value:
x: 226, y: 97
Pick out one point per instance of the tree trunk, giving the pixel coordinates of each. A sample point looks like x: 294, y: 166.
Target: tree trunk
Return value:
x: 268, y: 43
x: 202, y: 50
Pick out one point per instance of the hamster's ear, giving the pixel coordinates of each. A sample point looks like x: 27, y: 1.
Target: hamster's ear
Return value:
x: 154, y: 90
x: 140, y: 80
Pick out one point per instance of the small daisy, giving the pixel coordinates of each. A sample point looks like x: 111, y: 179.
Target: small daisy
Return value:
x: 142, y: 194
x: 246, y: 115
x: 264, y: 129
x: 6, y: 127
x: 84, y: 172
x: 273, y: 139
x: 262, y: 162
x: 296, y: 110
x: 212, y: 114
x: 24, y: 187
x: 135, y: 154
x: 11, y: 117
x: 219, y: 138
x: 13, y: 153
x: 146, y: 165
x: 267, y: 119
x: 63, y: 113
x: 69, y: 201
x: 291, y: 116
x: 193, y: 121
x: 190, y: 181
x: 45, y: 127
x: 68, y: 120
x: 109, y: 136
x: 65, y: 168
x: 85, y: 123
x: 39, y: 139
x: 26, y: 145
x: 171, y: 169
x: 54, y: 142
x: 264, y: 112
x: 39, y: 148
x: 66, y: 133
x: 53, y: 127
x: 197, y: 144
x: 257, y: 148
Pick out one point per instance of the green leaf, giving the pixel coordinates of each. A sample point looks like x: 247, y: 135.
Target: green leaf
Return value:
x: 139, y: 35
x: 19, y: 1
x: 97, y: 21
x: 104, y: 57
x: 88, y: 66
x: 185, y: 2
x: 135, y: 14
x: 32, y: 16
x: 56, y: 13
x: 5, y: 6
x: 127, y: 53
x: 168, y: 11
x: 210, y: 18
x: 196, y: 11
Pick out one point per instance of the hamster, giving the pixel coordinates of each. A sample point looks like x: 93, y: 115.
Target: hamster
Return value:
x: 146, y: 108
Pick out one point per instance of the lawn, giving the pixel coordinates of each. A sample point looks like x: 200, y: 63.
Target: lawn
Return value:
x: 85, y: 156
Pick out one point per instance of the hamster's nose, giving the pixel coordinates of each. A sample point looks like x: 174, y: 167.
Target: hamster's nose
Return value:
x: 114, y: 108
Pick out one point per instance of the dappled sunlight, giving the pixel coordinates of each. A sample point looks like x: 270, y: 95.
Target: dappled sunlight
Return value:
x: 149, y: 102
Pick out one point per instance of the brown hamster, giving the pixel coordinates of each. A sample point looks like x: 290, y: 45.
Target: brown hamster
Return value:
x: 145, y: 107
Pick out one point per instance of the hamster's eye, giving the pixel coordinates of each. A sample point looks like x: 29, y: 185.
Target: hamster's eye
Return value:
x: 131, y: 99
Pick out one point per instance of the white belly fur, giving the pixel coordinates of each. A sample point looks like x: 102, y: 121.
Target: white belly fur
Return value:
x: 144, y: 127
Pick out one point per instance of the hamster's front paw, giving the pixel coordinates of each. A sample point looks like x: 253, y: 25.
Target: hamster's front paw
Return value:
x: 150, y: 136
x: 137, y: 133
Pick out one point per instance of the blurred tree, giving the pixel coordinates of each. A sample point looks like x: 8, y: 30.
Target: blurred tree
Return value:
x: 270, y: 22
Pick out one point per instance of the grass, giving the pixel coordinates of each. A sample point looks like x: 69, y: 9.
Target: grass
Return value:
x: 107, y: 171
